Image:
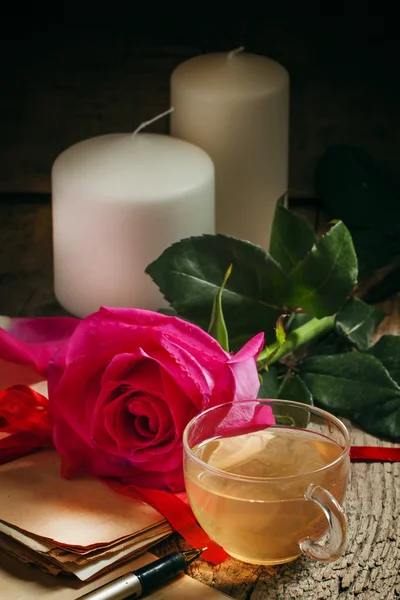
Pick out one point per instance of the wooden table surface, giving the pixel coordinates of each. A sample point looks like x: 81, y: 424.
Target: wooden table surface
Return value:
x: 370, y: 567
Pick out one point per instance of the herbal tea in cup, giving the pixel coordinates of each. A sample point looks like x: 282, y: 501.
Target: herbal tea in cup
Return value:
x: 266, y: 479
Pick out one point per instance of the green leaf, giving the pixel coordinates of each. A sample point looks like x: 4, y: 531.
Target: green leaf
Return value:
x: 291, y: 237
x: 357, y: 321
x: 322, y: 282
x: 382, y: 421
x: 295, y: 389
x: 330, y: 344
x: 290, y: 388
x: 285, y: 388
x: 387, y: 350
x: 355, y: 189
x: 170, y: 312
x: 217, y: 327
x: 348, y: 383
x: 269, y: 384
x: 189, y: 274
x: 297, y: 320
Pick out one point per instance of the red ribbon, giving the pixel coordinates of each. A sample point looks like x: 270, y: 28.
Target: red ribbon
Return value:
x: 25, y: 427
x: 375, y: 453
x: 24, y: 422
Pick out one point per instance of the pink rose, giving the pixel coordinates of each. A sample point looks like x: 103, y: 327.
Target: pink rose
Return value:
x: 123, y: 389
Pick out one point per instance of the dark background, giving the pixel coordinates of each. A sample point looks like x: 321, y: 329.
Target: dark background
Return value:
x: 74, y: 70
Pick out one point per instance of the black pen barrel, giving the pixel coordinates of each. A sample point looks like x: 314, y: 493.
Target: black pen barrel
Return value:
x: 155, y: 573
x: 141, y: 581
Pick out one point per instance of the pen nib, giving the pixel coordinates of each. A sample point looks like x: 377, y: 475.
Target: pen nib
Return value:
x: 191, y: 555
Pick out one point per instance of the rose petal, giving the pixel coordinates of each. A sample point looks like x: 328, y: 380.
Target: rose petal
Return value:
x: 144, y: 390
x: 135, y: 370
x: 102, y: 329
x: 244, y: 368
x: 150, y: 415
x: 224, y: 389
x: 243, y: 418
x: 147, y: 426
x: 185, y: 369
x: 78, y: 457
x: 34, y: 341
x: 191, y: 337
x: 135, y: 449
x: 102, y: 427
x: 66, y: 397
x: 138, y: 326
x: 161, y: 376
x: 250, y: 350
x: 120, y: 421
x: 182, y: 410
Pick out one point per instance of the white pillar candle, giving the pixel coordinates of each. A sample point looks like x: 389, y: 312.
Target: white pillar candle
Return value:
x: 118, y: 201
x: 236, y: 107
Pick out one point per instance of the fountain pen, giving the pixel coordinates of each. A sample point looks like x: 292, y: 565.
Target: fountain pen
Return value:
x: 140, y: 582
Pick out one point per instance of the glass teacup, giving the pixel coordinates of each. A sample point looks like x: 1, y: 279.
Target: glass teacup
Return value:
x: 266, y: 479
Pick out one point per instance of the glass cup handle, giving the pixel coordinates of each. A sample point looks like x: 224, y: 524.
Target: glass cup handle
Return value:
x: 333, y: 548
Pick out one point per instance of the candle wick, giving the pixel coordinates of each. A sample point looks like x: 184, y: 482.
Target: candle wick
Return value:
x: 146, y: 123
x: 233, y: 53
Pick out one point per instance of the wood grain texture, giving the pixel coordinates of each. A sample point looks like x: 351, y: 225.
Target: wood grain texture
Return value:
x: 370, y: 567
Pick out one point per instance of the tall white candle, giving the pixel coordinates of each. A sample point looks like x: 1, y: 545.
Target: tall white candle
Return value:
x: 118, y: 201
x: 236, y: 107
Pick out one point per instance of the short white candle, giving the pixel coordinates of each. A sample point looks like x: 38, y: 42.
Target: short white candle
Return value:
x: 118, y: 201
x: 236, y: 107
